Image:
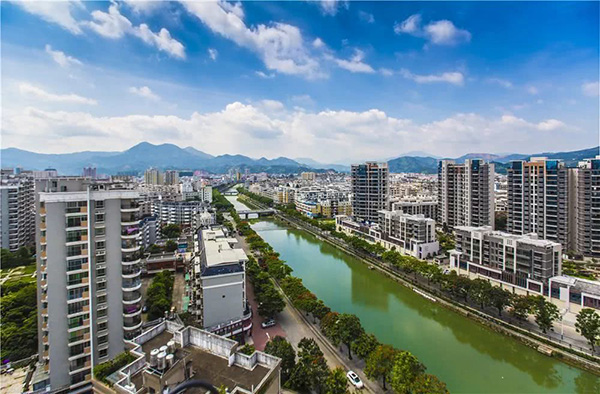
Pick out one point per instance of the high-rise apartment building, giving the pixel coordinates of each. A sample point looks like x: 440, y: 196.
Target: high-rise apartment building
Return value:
x: 89, y: 172
x: 17, y: 212
x: 171, y: 177
x: 587, y: 228
x: 541, y: 196
x: 89, y: 268
x: 370, y: 190
x: 153, y: 176
x: 465, y: 193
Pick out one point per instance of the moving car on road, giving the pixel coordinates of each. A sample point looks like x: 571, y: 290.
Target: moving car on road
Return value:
x: 268, y: 323
x: 354, y: 380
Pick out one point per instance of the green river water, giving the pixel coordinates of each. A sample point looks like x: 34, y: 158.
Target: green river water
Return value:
x: 467, y: 356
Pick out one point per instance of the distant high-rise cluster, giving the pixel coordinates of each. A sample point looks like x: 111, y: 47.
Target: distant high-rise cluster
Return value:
x: 17, y: 211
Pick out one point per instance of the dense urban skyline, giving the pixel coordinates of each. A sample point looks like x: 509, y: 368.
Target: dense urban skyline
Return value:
x: 335, y: 81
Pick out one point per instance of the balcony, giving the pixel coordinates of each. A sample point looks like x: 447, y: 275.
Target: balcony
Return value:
x: 130, y: 232
x: 131, y: 271
x: 132, y: 297
x: 129, y: 246
x: 131, y: 285
x: 128, y: 208
x: 132, y: 310
x: 132, y: 323
x: 129, y: 219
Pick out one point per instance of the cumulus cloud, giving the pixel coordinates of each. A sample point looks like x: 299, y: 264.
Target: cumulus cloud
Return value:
x: 255, y: 128
x: 213, y: 53
x: 355, y: 64
x: 61, y: 58
x: 331, y: 7
x: 145, y: 92
x: 265, y: 75
x: 280, y: 46
x: 454, y: 78
x: 58, y: 12
x: 442, y: 32
x: 143, y: 6
x: 36, y: 92
x: 114, y: 25
x: 591, y: 89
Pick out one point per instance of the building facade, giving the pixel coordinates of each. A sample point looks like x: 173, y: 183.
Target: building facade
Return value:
x: 218, y: 291
x: 183, y: 213
x: 587, y: 228
x: 465, y: 193
x: 153, y: 176
x: 420, y: 205
x: 541, y: 195
x: 89, y: 268
x: 521, y: 263
x: 370, y: 190
x: 17, y: 212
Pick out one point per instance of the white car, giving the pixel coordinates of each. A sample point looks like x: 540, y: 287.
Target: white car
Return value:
x: 354, y: 380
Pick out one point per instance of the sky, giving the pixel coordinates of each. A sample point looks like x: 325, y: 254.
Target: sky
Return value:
x: 333, y: 81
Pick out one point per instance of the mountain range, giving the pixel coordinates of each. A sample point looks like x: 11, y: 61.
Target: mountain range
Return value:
x: 168, y: 156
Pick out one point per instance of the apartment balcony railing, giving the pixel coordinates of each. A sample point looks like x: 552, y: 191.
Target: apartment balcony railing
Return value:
x: 132, y: 310
x: 131, y: 271
x: 131, y: 285
x: 132, y: 323
x: 132, y: 297
x: 130, y: 232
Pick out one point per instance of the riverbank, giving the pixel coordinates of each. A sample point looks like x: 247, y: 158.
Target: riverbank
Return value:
x: 532, y: 340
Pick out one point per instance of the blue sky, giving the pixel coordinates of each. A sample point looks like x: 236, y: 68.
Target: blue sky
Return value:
x: 333, y: 81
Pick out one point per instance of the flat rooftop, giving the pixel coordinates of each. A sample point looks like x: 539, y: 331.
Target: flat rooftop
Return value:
x: 218, y: 248
x: 207, y: 366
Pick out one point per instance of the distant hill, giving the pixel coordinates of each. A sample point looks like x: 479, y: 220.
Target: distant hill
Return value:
x: 168, y: 156
x: 426, y: 165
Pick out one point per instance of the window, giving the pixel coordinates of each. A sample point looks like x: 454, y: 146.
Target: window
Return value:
x: 100, y: 231
x: 99, y: 218
x: 99, y: 204
x: 103, y: 353
x: 101, y: 272
x: 102, y: 326
x: 100, y: 245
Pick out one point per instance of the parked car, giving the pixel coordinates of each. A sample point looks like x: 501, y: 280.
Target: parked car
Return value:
x: 354, y: 380
x: 268, y: 323
x: 145, y: 309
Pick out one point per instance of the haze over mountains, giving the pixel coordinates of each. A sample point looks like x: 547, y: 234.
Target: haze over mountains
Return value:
x: 169, y: 156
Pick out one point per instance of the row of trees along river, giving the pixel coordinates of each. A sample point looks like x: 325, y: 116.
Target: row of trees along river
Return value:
x: 468, y: 357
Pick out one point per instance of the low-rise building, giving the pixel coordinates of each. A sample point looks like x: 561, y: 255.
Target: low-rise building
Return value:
x: 417, y: 205
x: 164, y: 261
x: 520, y: 263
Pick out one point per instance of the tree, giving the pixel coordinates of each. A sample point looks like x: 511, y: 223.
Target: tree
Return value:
x: 428, y: 384
x: 349, y: 328
x: 320, y: 309
x: 405, y: 371
x: 171, y: 231
x: 500, y: 298
x: 380, y: 363
x: 170, y: 246
x: 311, y: 371
x: 520, y: 307
x: 364, y: 345
x: 280, y: 347
x: 479, y: 291
x: 588, y: 325
x: 545, y: 313
x: 23, y: 256
x: 154, y: 249
x: 337, y: 382
x: 270, y: 302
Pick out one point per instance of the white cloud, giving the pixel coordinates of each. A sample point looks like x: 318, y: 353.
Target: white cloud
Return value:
x: 501, y: 82
x: 58, y: 12
x: 280, y: 46
x: 532, y: 90
x: 591, y: 89
x: 213, y: 53
x: 36, y: 92
x: 367, y: 17
x: 442, y: 32
x: 386, y: 72
x: 144, y: 91
x: 142, y: 6
x: 355, y: 64
x: 318, y: 43
x: 254, y: 129
x: 331, y: 7
x: 61, y: 58
x: 454, y: 78
x: 411, y: 25
x: 114, y: 25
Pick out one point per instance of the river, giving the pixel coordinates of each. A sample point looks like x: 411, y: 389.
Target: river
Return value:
x: 470, y: 358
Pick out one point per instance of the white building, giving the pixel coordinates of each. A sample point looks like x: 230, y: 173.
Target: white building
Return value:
x: 17, y: 212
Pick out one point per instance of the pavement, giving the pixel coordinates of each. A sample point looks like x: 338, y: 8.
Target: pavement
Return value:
x: 178, y: 290
x: 13, y: 383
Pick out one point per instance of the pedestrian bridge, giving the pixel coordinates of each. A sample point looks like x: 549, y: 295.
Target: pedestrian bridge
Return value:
x: 233, y: 192
x: 255, y: 213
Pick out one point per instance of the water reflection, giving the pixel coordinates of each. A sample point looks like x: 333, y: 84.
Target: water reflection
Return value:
x: 468, y: 356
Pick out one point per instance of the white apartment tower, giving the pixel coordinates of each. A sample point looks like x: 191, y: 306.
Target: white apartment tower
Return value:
x: 588, y: 208
x: 465, y: 193
x: 17, y: 212
x: 370, y: 190
x: 541, y: 198
x: 89, y: 298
